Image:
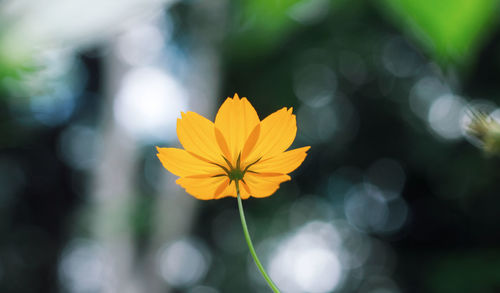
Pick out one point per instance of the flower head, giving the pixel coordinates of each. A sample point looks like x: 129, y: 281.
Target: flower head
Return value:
x: 485, y: 129
x: 237, y: 149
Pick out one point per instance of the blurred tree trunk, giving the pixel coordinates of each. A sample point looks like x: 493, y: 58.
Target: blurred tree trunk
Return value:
x: 113, y: 187
x: 175, y: 208
x: 114, y: 177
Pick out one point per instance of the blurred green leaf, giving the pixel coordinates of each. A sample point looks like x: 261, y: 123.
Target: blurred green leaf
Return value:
x: 15, y: 62
x: 260, y: 25
x: 452, y: 30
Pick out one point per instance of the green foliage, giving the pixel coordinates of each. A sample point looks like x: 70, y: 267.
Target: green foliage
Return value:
x: 452, y: 30
x: 259, y: 26
x: 14, y: 64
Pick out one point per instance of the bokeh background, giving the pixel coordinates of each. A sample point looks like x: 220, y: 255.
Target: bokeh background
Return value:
x: 393, y: 196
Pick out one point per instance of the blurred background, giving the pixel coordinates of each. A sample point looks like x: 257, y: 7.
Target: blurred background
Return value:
x: 393, y: 197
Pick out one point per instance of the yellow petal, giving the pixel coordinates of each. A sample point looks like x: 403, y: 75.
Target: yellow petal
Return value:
x: 197, y: 135
x: 221, y: 141
x: 220, y: 189
x: 182, y: 163
x: 230, y: 190
x: 204, y: 189
x: 244, y: 190
x: 250, y: 142
x: 236, y: 119
x: 283, y: 163
x: 277, y: 132
x: 263, y: 186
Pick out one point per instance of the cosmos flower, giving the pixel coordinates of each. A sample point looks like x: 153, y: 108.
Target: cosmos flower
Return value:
x: 238, y: 149
x: 484, y: 130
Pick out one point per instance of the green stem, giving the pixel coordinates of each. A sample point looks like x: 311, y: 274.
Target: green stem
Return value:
x: 249, y: 242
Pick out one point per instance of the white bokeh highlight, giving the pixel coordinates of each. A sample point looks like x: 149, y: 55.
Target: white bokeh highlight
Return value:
x: 148, y: 104
x: 308, y: 261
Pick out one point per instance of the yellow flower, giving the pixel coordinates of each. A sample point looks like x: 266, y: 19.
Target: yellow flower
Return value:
x: 237, y: 147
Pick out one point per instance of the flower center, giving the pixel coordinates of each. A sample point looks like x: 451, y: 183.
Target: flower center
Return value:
x: 235, y: 174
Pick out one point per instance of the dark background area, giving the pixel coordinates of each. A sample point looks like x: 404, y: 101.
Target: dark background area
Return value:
x: 413, y: 204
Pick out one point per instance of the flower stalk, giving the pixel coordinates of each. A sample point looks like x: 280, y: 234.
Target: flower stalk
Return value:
x: 250, y: 245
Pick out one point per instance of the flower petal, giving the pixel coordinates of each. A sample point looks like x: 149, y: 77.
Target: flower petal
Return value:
x: 263, y: 186
x: 230, y: 190
x: 204, y: 188
x: 221, y: 141
x: 236, y: 119
x: 282, y: 163
x: 220, y: 189
x: 252, y: 139
x: 182, y: 163
x: 244, y: 190
x: 197, y: 135
x: 277, y: 132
